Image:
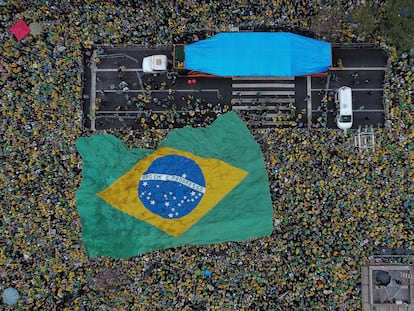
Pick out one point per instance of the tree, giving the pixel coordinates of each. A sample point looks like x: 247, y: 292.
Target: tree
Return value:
x: 328, y: 21
x: 394, y: 21
x: 366, y: 19
x: 398, y: 24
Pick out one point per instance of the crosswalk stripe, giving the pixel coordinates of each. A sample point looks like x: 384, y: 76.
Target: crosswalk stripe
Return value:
x: 263, y: 85
x: 246, y: 100
x: 267, y: 78
x: 268, y: 108
x: 267, y: 97
x: 258, y: 92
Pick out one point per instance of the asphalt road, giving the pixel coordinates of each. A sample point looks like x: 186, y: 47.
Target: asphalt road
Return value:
x: 120, y: 94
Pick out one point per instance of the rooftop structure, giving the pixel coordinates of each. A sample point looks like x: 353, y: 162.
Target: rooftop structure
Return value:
x: 388, y: 283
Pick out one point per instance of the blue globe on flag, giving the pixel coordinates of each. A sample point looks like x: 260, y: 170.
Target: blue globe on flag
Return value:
x: 172, y: 191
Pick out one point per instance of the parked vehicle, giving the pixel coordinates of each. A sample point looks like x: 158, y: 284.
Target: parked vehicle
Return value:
x: 343, y: 101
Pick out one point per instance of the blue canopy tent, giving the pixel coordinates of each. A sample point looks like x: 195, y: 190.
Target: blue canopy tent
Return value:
x: 258, y: 54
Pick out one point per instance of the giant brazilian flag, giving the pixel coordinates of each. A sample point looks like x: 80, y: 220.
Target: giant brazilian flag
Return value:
x: 200, y: 186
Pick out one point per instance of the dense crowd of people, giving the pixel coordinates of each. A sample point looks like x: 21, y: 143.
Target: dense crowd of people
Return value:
x: 332, y: 204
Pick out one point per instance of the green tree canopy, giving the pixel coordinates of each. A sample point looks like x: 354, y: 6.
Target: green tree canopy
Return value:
x: 398, y: 24
x: 394, y: 20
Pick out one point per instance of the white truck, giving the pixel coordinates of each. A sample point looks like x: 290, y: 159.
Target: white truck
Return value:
x: 155, y: 64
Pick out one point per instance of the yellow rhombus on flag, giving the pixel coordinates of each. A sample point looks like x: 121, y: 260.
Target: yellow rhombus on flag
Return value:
x: 220, y: 179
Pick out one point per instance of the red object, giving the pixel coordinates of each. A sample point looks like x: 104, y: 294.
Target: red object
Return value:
x: 20, y: 30
x: 194, y: 81
x: 190, y: 81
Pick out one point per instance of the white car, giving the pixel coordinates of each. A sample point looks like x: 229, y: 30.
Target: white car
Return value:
x: 154, y: 64
x: 343, y: 101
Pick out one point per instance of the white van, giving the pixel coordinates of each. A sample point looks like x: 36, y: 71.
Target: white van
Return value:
x: 343, y: 101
